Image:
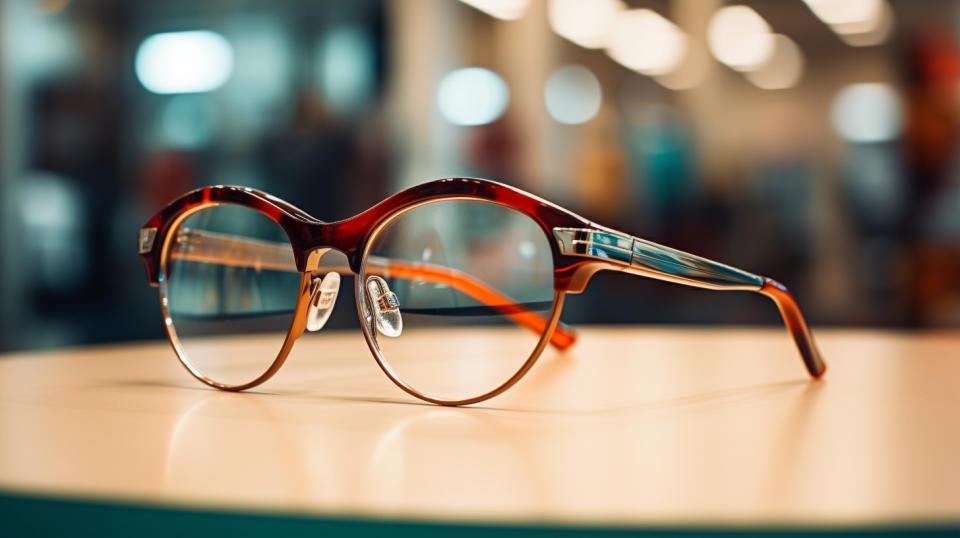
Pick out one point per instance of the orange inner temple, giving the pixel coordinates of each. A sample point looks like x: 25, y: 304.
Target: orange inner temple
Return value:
x: 210, y: 247
x: 562, y: 337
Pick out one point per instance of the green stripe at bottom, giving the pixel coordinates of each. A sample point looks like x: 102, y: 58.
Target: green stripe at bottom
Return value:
x: 22, y: 515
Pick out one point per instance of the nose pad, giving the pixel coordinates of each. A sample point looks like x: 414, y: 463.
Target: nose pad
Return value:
x: 322, y: 298
x: 385, y: 305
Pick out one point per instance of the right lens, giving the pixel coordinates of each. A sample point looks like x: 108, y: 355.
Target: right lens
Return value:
x: 230, y: 275
x: 460, y: 291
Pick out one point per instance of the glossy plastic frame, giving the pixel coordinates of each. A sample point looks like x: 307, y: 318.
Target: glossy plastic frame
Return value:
x: 579, y: 247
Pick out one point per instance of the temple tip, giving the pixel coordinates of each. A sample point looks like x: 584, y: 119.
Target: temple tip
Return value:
x: 796, y: 325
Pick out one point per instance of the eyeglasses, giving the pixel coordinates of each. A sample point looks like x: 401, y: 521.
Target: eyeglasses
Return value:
x: 451, y: 258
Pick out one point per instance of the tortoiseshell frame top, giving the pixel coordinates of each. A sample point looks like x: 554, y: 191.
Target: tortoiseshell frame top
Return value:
x: 580, y: 248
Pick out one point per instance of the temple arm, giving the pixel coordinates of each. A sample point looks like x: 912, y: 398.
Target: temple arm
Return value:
x: 231, y: 250
x: 638, y: 256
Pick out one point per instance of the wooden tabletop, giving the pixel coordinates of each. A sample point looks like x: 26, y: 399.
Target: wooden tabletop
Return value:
x: 632, y: 426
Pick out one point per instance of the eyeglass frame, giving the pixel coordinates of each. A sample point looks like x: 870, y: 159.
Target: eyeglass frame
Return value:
x: 579, y: 247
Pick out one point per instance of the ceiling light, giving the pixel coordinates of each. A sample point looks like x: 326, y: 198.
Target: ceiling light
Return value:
x: 845, y: 11
x: 646, y: 42
x: 740, y: 38
x: 585, y: 23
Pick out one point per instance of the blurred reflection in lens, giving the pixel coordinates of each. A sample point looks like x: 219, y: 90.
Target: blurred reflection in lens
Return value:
x: 230, y: 273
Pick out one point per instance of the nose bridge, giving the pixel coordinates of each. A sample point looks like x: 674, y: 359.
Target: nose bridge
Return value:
x: 314, y: 240
x: 324, y: 244
x: 345, y: 236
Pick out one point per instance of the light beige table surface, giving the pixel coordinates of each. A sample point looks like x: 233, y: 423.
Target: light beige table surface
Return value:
x: 631, y: 426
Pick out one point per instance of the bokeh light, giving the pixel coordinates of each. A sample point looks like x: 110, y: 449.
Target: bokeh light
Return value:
x: 646, y: 42
x: 184, y: 62
x: 869, y: 33
x: 740, y: 38
x: 845, y: 11
x: 585, y: 23
x: 472, y: 96
x: 573, y: 95
x: 859, y: 23
x: 867, y: 112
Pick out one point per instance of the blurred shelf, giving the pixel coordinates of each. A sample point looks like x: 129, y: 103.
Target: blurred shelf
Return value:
x: 633, y: 428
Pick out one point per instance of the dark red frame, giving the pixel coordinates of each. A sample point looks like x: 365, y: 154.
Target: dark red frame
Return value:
x: 351, y: 235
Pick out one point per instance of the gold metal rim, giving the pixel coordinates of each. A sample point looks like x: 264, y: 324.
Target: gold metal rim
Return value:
x: 293, y: 331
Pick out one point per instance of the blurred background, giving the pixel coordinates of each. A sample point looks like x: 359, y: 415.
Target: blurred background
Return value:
x: 814, y: 141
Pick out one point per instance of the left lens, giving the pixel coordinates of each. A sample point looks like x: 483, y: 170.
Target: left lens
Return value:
x: 230, y: 276
x: 459, y: 292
